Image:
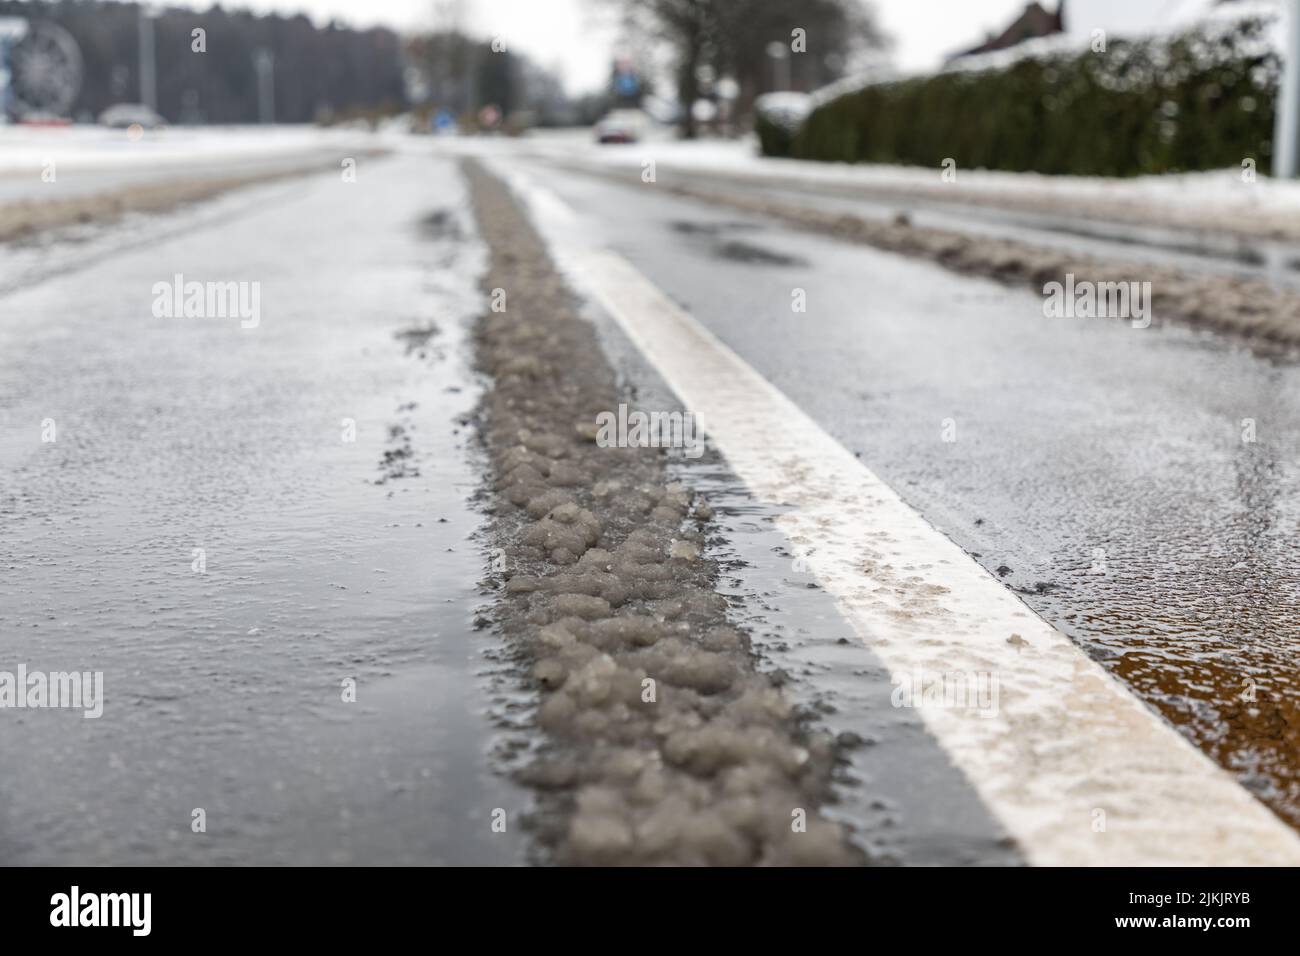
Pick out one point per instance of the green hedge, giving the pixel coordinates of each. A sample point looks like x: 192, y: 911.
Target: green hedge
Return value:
x: 1201, y: 100
x: 775, y: 139
x: 777, y: 118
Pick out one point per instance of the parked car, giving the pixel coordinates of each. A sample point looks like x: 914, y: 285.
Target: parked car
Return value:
x: 621, y: 126
x: 122, y: 115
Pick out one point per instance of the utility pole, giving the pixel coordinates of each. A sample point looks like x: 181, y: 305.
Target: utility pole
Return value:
x: 780, y: 65
x: 11, y: 31
x: 1286, y: 129
x: 265, y: 63
x: 148, y: 64
x: 470, y: 85
x: 4, y: 76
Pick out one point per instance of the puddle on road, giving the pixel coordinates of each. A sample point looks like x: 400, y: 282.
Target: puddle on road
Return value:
x: 417, y: 338
x: 442, y: 225
x: 735, y: 250
x: 688, y: 227
x: 1182, y: 580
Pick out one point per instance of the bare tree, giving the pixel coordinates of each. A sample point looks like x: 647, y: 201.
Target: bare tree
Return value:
x: 731, y: 38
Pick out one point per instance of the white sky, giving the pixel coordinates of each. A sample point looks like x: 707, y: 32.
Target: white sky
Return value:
x: 576, y: 37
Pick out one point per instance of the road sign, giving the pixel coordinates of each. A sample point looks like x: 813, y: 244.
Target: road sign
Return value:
x: 43, y: 69
x: 627, y: 84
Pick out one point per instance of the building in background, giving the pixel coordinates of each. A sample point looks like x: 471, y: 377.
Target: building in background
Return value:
x: 1033, y: 23
x: 1137, y: 17
x: 1079, y: 18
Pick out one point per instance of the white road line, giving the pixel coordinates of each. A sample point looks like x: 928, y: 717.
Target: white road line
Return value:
x: 1068, y: 743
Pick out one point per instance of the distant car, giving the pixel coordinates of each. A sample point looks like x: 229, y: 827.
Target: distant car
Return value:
x: 621, y: 126
x: 123, y: 115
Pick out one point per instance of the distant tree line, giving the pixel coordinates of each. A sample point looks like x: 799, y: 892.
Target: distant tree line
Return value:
x: 816, y: 42
x: 449, y: 70
x: 319, y: 72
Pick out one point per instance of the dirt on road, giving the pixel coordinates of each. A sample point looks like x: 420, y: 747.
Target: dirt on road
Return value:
x: 664, y: 744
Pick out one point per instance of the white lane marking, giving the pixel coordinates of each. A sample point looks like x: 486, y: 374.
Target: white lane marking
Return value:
x: 1069, y: 748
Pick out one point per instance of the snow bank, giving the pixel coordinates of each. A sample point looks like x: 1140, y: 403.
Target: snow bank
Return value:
x: 1219, y: 18
x: 24, y: 148
x: 1214, y: 192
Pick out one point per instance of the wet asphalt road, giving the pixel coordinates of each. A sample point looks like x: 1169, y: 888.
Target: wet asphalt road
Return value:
x: 1100, y: 470
x: 1274, y: 261
x: 897, y: 791
x: 1104, y: 472
x: 323, y: 558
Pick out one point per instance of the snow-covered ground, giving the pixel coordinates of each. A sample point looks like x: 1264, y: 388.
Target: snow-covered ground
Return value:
x: 1216, y: 193
x: 23, y: 148
x: 1115, y: 19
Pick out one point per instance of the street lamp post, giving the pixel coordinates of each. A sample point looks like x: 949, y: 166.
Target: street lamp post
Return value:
x: 264, y: 62
x: 780, y: 64
x: 148, y: 63
x: 1286, y: 129
x: 11, y: 30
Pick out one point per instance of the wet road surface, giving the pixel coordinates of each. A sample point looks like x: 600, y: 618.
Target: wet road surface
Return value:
x: 206, y: 531
x: 1196, y: 250
x: 897, y: 791
x: 1273, y: 261
x: 1103, y: 472
x: 1136, y: 486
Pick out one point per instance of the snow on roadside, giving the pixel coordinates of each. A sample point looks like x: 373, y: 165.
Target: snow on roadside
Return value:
x: 1077, y: 39
x: 1212, y: 193
x: 23, y: 148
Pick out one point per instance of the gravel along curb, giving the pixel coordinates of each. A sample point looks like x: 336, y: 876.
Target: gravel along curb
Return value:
x: 24, y: 219
x: 663, y: 743
x: 1267, y: 317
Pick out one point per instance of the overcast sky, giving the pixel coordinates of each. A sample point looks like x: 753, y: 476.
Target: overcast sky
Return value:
x: 576, y: 37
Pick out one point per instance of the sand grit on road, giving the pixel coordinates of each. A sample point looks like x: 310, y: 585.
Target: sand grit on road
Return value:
x: 665, y: 745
